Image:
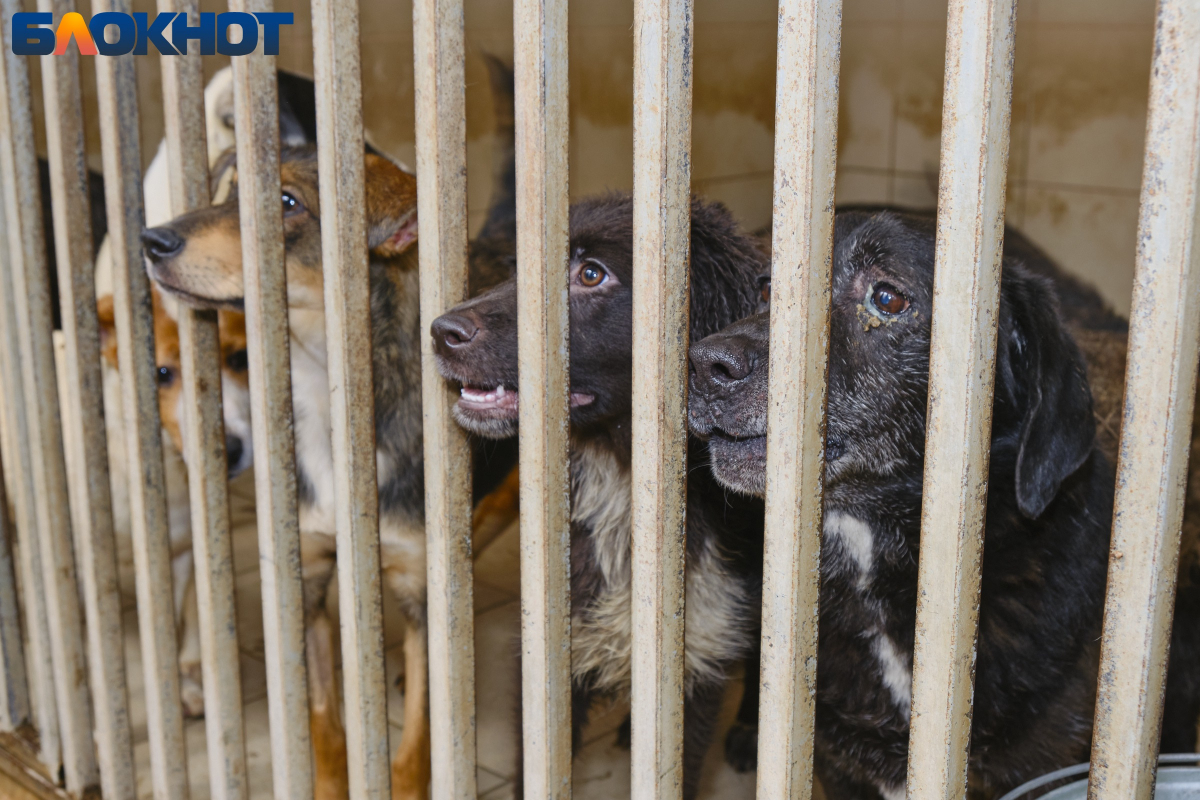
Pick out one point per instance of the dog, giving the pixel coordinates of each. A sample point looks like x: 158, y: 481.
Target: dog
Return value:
x: 197, y: 257
x: 1049, y: 511
x: 476, y: 345
x: 235, y: 400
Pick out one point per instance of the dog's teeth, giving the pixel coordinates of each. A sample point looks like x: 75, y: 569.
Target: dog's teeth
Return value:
x: 491, y: 398
x: 500, y: 390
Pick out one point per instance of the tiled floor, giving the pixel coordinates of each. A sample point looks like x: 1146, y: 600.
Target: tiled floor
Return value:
x: 601, y: 771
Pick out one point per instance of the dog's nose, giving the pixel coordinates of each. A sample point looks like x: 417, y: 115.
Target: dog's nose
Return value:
x: 453, y: 331
x: 717, y: 363
x: 233, y: 454
x: 161, y: 243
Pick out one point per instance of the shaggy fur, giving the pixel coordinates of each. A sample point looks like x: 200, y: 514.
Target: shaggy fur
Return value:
x: 1048, y: 514
x: 477, y: 346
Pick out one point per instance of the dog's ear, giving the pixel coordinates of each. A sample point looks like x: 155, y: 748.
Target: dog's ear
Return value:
x: 108, y: 329
x: 391, y: 195
x: 1041, y: 371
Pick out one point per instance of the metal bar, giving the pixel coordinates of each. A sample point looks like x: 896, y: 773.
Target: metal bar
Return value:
x: 116, y: 81
x: 352, y: 394
x: 1160, y: 386
x: 14, y: 687
x: 204, y: 437
x: 543, y: 310
x: 970, y: 234
x: 90, y: 496
x: 662, y: 133
x: 806, y: 105
x: 256, y: 122
x: 16, y: 457
x: 30, y: 283
x: 442, y: 210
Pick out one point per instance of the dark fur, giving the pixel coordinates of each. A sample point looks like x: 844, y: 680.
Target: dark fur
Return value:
x: 725, y: 267
x: 1044, y: 566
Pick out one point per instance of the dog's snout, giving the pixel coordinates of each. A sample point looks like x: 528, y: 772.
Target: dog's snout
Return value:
x: 719, y: 363
x: 161, y: 243
x: 453, y: 331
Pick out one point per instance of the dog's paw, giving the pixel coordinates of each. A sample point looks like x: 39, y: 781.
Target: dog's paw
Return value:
x: 625, y: 734
x: 741, y: 747
x: 191, y: 693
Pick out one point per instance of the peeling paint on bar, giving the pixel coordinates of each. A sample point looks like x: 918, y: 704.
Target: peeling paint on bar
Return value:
x: 1160, y: 386
x: 662, y: 133
x: 256, y: 123
x: 116, y: 80
x: 204, y: 438
x: 543, y: 314
x: 970, y: 233
x: 806, y: 108
x: 442, y: 211
x: 82, y: 396
x: 352, y: 403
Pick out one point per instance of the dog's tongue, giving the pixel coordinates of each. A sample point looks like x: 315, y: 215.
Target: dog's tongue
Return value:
x: 502, y: 398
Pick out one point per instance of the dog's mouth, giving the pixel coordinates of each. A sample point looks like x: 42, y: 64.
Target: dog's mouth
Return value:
x: 162, y: 278
x: 500, y: 402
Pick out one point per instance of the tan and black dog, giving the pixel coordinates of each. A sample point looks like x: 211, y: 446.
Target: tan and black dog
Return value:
x: 198, y: 259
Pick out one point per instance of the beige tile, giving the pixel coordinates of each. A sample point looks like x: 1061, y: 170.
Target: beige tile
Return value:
x: 734, y: 69
x: 497, y: 637
x: 1090, y: 234
x: 868, y: 12
x: 1088, y: 93
x: 610, y: 13
x: 764, y: 12
x: 916, y: 192
x: 488, y: 781
x: 855, y: 186
x: 867, y: 103
x: 729, y: 143
x: 924, y: 11
x: 1074, y: 12
x: 749, y: 199
x: 918, y: 89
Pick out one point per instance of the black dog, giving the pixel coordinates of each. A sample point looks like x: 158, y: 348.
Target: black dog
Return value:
x: 477, y: 346
x: 1048, y: 512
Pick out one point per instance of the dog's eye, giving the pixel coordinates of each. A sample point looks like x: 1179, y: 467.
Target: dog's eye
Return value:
x: 764, y: 288
x: 237, y: 361
x: 291, y: 205
x: 166, y: 376
x: 592, y: 274
x: 888, y: 300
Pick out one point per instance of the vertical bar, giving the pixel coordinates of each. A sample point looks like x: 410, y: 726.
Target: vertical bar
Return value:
x: 662, y: 134
x: 540, y: 32
x: 1160, y: 385
x: 806, y: 105
x: 962, y: 369
x: 90, y: 500
x: 256, y: 123
x: 116, y: 81
x: 30, y: 286
x: 204, y: 437
x: 16, y: 457
x: 14, y: 688
x: 352, y: 394
x: 442, y: 211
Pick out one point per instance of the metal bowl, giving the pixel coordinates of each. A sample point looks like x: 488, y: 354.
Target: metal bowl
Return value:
x: 1174, y: 782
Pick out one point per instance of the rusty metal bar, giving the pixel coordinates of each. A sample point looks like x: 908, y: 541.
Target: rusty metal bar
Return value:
x: 30, y: 287
x: 256, y: 122
x: 970, y: 234
x: 806, y: 106
x: 83, y: 415
x: 15, y: 442
x: 1160, y: 384
x: 442, y: 211
x: 540, y: 33
x: 662, y: 134
x: 204, y: 436
x: 116, y: 80
x: 352, y: 394
x: 14, y: 687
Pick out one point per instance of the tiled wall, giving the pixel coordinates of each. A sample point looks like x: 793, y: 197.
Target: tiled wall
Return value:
x: 1082, y: 77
